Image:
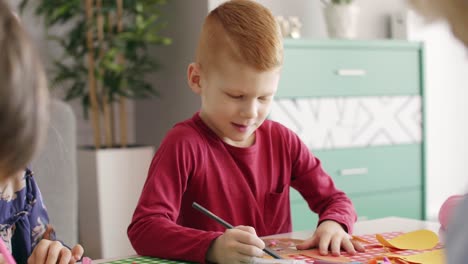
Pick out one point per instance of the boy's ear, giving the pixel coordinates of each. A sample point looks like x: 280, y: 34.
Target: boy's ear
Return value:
x: 194, y: 77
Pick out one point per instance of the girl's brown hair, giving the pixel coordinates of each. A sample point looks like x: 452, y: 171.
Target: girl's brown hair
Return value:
x: 23, y: 95
x: 454, y: 11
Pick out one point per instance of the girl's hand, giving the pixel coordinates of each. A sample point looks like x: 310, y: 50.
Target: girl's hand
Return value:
x: 237, y: 245
x: 330, y: 234
x: 52, y: 252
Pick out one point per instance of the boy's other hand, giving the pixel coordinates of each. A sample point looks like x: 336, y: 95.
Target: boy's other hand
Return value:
x: 331, y: 235
x: 237, y: 245
x: 51, y: 252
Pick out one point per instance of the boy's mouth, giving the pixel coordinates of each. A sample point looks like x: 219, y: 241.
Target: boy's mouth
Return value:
x: 240, y: 128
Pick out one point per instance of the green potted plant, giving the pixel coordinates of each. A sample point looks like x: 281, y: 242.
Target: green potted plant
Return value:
x: 341, y: 17
x: 105, y: 56
x: 105, y: 60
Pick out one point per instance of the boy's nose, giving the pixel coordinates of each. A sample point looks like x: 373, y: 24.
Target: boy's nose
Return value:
x: 249, y: 110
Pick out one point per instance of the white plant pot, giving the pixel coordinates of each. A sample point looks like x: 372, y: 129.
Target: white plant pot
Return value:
x: 110, y: 183
x: 341, y: 20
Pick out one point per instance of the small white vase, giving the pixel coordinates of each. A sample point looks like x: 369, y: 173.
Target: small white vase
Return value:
x: 341, y: 20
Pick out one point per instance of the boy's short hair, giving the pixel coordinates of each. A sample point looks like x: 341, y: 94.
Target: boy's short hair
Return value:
x: 240, y: 30
x: 23, y: 95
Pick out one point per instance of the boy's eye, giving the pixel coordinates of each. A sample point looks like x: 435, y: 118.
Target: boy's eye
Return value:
x: 235, y: 96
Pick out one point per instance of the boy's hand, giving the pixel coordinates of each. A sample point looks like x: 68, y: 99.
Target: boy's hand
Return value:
x: 330, y: 234
x: 52, y: 252
x: 237, y: 245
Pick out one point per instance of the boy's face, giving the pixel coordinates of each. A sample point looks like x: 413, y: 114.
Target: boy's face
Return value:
x: 236, y: 99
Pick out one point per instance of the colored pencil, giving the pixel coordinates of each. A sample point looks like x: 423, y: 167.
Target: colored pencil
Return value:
x: 228, y: 226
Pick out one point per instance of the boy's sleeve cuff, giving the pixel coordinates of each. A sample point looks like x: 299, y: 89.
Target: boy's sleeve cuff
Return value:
x: 205, y: 246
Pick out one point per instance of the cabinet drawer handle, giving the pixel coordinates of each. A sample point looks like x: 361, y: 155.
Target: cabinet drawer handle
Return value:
x: 352, y: 72
x: 354, y: 171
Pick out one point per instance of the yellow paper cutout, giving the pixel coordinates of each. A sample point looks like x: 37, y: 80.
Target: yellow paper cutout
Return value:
x: 360, y: 239
x: 431, y: 257
x: 416, y: 240
x: 383, y: 241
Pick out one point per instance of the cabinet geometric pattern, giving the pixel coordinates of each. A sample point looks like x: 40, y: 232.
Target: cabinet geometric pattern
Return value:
x: 343, y: 122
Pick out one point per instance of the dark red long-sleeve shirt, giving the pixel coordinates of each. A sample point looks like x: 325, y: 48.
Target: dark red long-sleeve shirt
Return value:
x: 244, y: 186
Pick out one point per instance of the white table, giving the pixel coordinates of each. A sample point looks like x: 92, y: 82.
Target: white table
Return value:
x: 388, y: 224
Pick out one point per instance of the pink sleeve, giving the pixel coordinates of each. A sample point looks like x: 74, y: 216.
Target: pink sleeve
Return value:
x: 153, y: 230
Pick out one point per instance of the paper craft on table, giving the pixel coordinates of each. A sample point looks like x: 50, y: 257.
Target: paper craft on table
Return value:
x: 286, y: 247
x: 430, y: 257
x: 397, y: 247
x: 416, y: 240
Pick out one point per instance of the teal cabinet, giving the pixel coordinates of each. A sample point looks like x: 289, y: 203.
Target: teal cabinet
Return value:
x: 303, y: 218
x: 405, y: 202
x: 349, y: 72
x: 358, y: 106
x: 374, y: 169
